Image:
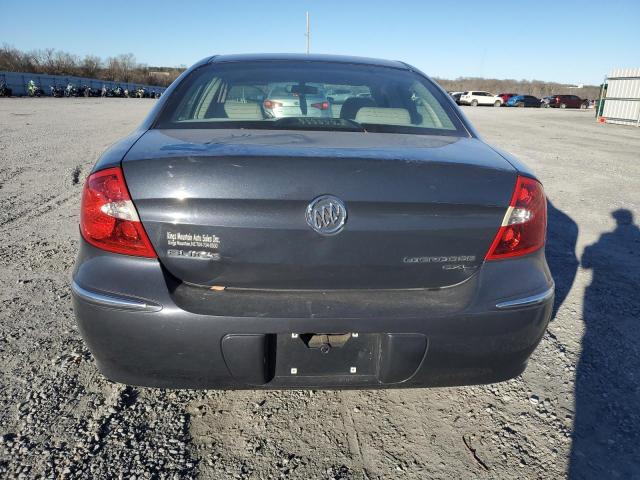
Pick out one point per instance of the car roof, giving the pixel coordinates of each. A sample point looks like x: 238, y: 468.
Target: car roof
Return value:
x: 266, y: 57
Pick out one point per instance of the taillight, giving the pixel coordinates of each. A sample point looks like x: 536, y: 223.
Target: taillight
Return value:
x: 321, y: 105
x: 108, y: 218
x: 270, y: 104
x: 524, y: 226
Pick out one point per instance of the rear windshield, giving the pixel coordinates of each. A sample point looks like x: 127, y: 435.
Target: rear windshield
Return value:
x: 310, y: 96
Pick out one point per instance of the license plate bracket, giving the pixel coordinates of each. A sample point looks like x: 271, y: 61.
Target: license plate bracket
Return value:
x: 358, y: 356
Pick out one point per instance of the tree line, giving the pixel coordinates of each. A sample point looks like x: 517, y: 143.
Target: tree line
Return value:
x: 119, y: 68
x: 537, y: 88
x: 125, y: 68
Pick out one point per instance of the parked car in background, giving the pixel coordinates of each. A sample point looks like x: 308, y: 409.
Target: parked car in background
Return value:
x: 339, y: 95
x: 296, y: 100
x: 523, y: 101
x: 456, y: 96
x: 475, y: 98
x: 384, y: 246
x: 506, y: 96
x: 564, y: 101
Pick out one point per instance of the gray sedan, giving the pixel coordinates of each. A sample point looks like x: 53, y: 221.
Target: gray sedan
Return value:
x: 295, y: 100
x: 381, y: 244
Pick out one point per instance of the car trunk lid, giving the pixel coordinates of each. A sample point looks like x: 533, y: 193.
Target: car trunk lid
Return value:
x: 229, y: 207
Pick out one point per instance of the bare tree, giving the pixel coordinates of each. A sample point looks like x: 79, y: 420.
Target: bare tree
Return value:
x: 127, y: 63
x: 112, y: 69
x: 90, y: 66
x: 14, y: 60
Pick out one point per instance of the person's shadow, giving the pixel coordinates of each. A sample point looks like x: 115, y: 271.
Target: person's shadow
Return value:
x: 606, y: 433
x: 562, y: 236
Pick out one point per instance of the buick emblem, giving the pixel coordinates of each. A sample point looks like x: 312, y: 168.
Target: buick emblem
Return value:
x: 326, y: 215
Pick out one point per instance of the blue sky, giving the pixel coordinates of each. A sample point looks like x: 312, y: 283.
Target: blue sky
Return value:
x: 566, y: 41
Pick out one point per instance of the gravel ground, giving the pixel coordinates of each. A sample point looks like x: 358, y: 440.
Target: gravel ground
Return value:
x: 573, y: 412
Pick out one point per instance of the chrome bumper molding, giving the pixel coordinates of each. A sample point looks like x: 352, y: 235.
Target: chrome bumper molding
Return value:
x: 112, y: 301
x: 527, y: 301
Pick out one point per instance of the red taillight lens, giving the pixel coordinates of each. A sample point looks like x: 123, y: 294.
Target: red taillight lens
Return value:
x: 524, y: 227
x: 270, y: 104
x: 108, y: 218
x: 321, y: 105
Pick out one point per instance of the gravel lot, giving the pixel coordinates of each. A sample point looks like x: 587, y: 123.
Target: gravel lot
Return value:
x: 575, y: 411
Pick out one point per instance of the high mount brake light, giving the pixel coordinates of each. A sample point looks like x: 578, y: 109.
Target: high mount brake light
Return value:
x: 524, y: 226
x: 321, y: 105
x: 270, y: 104
x: 108, y: 218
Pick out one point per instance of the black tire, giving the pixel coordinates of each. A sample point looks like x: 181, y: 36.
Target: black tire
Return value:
x: 497, y: 103
x: 474, y: 103
x: 520, y: 105
x: 563, y: 105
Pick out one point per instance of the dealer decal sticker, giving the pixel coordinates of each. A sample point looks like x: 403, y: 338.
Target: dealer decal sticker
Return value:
x: 193, y: 245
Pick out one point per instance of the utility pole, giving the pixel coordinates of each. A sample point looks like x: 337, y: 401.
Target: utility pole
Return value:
x: 308, y: 34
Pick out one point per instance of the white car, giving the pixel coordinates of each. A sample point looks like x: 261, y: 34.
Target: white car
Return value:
x: 476, y: 98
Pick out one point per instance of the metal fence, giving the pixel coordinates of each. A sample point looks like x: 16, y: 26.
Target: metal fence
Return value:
x: 622, y: 101
x: 17, y: 82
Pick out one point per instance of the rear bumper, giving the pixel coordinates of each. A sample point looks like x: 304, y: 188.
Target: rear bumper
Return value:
x: 140, y: 335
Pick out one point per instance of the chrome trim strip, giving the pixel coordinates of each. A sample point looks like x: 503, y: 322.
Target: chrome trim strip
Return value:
x: 111, y: 301
x: 527, y: 301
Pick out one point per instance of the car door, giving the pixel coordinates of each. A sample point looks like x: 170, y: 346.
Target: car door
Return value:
x: 576, y: 101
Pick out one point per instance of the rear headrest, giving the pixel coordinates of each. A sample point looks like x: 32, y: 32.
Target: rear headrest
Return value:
x: 384, y: 116
x: 352, y: 104
x: 243, y: 111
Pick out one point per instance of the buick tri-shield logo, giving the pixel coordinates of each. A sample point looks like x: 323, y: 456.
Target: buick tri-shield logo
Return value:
x: 326, y: 215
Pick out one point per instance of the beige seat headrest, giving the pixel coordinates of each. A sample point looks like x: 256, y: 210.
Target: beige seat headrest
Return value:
x: 243, y: 111
x: 384, y: 116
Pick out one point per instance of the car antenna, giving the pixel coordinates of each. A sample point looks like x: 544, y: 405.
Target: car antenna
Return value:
x: 308, y: 34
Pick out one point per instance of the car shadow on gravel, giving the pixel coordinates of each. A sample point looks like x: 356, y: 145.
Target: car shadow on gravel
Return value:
x: 606, y: 430
x: 562, y: 235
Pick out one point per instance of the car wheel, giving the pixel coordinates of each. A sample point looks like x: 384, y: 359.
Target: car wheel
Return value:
x: 563, y: 105
x: 521, y: 105
x: 497, y: 103
x: 582, y: 106
x: 474, y: 103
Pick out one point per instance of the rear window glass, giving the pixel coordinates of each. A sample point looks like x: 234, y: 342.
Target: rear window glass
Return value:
x: 310, y: 96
